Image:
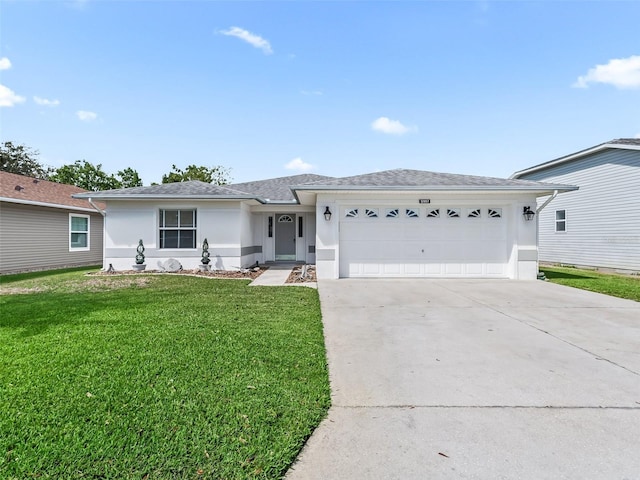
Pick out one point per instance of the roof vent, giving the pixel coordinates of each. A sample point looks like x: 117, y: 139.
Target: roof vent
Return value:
x: 19, y: 188
x: 36, y: 181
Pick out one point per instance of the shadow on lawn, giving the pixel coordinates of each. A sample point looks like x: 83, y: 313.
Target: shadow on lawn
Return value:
x: 29, y: 315
x: 560, y: 275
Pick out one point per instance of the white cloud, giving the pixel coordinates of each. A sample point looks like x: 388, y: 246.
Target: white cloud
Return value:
x: 86, y: 116
x: 45, y: 102
x: 619, y: 72
x: 637, y: 135
x: 298, y: 165
x: 255, y: 40
x: 9, y: 98
x: 392, y: 127
x: 5, y: 63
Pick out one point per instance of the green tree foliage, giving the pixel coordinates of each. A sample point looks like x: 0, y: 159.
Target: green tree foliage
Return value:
x: 217, y: 175
x: 22, y: 160
x: 129, y: 178
x: 85, y: 175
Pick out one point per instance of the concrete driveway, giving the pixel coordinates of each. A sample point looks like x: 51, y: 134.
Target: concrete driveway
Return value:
x: 477, y: 379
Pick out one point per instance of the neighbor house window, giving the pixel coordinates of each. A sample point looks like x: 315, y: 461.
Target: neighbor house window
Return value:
x: 78, y: 232
x: 177, y: 228
x: 561, y: 220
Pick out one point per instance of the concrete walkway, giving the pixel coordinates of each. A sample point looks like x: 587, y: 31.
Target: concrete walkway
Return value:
x: 477, y: 379
x: 276, y: 276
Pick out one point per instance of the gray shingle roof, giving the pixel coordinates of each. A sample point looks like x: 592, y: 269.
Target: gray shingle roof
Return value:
x: 278, y: 189
x: 418, y: 179
x: 623, y: 142
x: 282, y: 189
x: 626, y: 141
x: 192, y: 188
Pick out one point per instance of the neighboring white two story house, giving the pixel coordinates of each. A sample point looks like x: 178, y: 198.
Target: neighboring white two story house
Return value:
x: 396, y: 223
x: 599, y: 224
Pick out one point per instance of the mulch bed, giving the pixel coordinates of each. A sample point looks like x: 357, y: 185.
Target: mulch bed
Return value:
x: 296, y: 274
x: 249, y: 273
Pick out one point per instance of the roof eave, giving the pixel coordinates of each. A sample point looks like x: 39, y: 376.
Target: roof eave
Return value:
x: 98, y: 196
x: 440, y: 188
x: 571, y: 157
x: 46, y: 204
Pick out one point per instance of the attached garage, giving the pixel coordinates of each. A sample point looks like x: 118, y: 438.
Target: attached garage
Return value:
x: 413, y: 223
x: 437, y: 241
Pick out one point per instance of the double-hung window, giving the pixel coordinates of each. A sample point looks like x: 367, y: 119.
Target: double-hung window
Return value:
x: 561, y: 220
x: 178, y: 228
x: 78, y: 232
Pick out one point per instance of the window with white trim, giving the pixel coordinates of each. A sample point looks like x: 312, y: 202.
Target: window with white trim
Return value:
x: 561, y: 221
x: 79, y: 226
x: 178, y: 228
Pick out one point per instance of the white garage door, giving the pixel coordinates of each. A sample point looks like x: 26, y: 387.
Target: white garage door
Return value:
x: 423, y: 242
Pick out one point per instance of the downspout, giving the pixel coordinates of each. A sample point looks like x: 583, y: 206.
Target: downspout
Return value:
x: 555, y: 194
x: 104, y: 230
x: 538, y: 210
x: 101, y: 212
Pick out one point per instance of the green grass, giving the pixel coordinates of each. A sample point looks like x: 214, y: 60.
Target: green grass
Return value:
x: 156, y: 377
x: 624, y: 286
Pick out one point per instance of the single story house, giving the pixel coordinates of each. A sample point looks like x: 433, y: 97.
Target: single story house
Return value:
x: 599, y: 224
x: 42, y: 227
x: 396, y: 223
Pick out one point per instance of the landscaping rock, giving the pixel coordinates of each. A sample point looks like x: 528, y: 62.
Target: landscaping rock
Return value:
x: 170, y: 265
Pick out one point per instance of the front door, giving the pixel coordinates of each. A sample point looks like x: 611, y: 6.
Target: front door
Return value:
x: 285, y: 236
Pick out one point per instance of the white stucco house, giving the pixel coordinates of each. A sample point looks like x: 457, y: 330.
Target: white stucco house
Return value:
x: 599, y: 224
x: 396, y: 223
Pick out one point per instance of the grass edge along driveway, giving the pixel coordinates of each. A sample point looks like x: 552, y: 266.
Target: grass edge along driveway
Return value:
x: 623, y: 286
x: 157, y: 377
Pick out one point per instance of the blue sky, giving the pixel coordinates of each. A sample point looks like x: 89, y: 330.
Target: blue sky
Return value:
x: 271, y: 89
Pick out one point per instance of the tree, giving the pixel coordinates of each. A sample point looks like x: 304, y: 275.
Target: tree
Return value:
x: 85, y: 175
x: 22, y: 160
x: 129, y: 178
x: 217, y: 175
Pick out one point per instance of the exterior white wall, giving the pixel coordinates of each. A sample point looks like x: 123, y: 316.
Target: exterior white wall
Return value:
x: 603, y: 223
x: 221, y: 223
x: 521, y: 234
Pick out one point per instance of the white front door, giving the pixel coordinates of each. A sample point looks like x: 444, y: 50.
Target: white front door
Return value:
x: 285, y: 233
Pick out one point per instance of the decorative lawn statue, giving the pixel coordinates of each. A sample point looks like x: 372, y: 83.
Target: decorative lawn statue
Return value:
x: 139, y: 257
x: 205, y: 256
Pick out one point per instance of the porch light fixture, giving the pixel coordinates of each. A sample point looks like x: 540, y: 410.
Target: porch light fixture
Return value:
x: 327, y: 214
x: 528, y: 214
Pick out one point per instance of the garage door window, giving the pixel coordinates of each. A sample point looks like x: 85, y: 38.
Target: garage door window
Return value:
x: 453, y: 212
x: 393, y: 213
x: 435, y: 213
x: 371, y: 212
x: 411, y: 213
x: 495, y: 212
x: 474, y: 213
x: 353, y: 213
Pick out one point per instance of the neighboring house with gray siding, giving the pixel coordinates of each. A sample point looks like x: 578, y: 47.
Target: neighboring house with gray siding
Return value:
x: 42, y: 227
x: 599, y: 224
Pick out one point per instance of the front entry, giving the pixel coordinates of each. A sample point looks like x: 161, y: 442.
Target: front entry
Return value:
x: 285, y: 236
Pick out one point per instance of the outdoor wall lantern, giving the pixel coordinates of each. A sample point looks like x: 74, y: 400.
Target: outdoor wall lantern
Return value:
x: 528, y: 214
x: 327, y: 214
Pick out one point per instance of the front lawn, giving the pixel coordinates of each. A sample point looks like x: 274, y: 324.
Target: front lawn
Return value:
x: 624, y: 286
x: 156, y: 377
